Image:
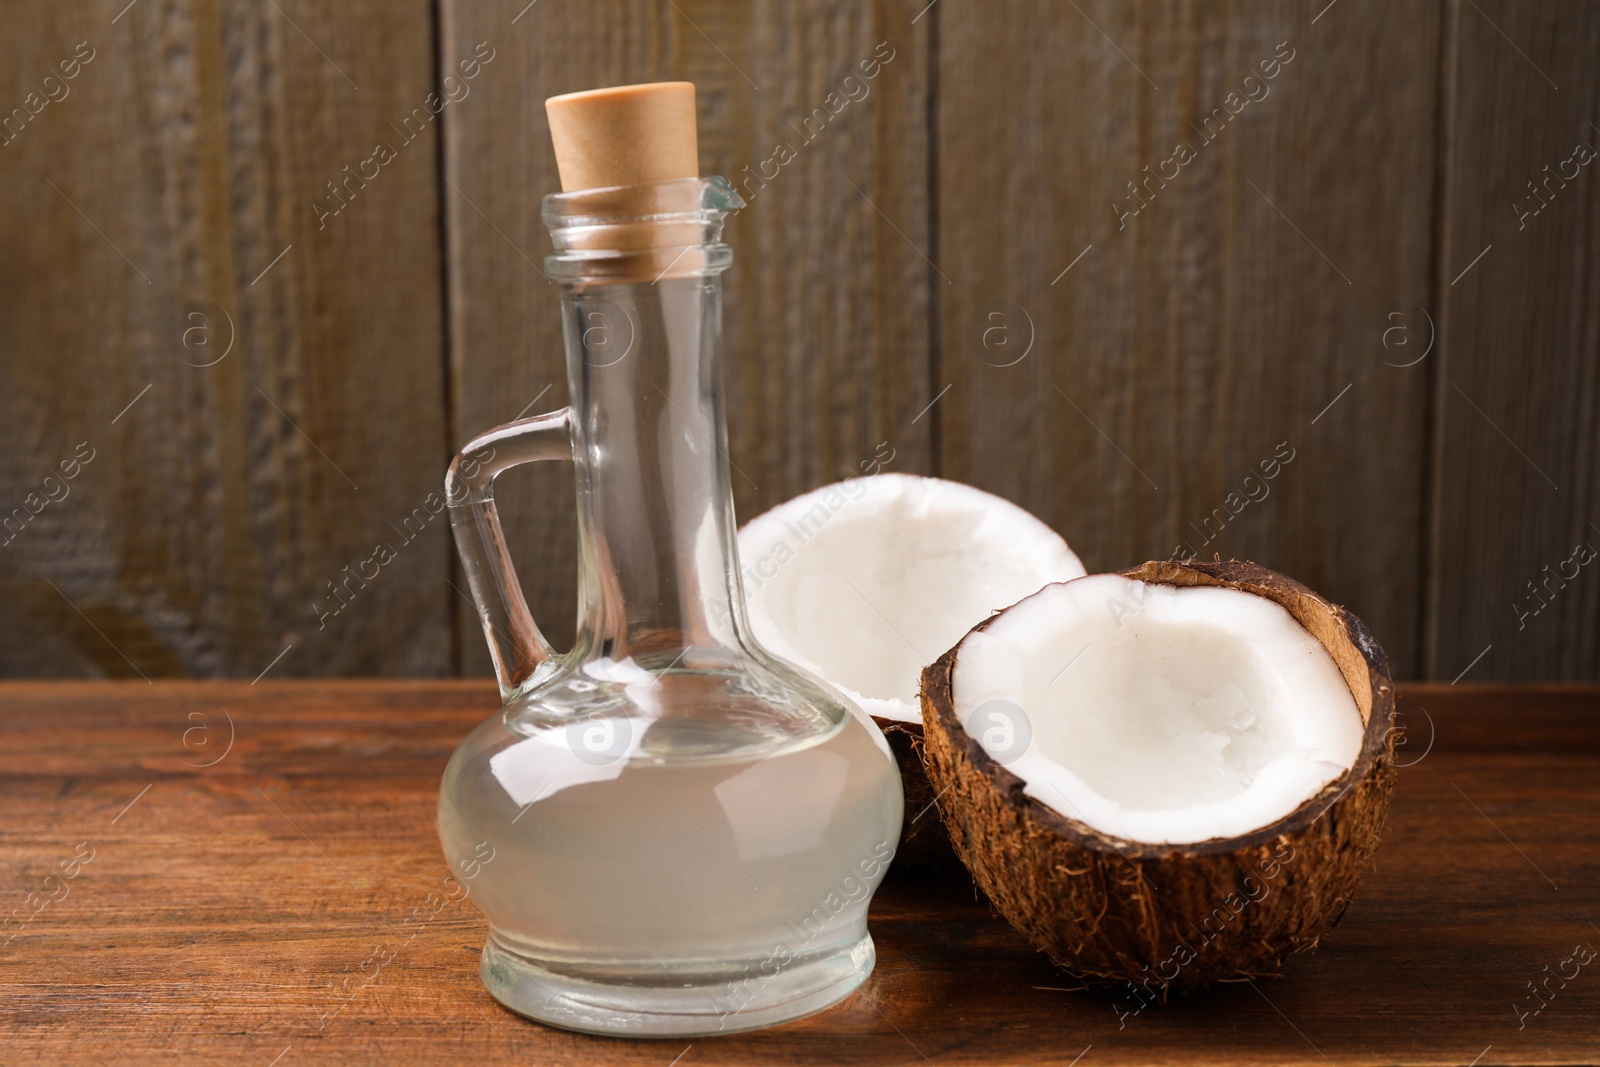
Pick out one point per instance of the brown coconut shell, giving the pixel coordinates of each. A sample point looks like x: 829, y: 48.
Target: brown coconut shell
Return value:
x: 924, y: 844
x: 1173, y: 916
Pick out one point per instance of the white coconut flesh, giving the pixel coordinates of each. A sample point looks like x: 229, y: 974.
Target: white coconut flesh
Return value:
x: 866, y: 581
x: 1157, y: 714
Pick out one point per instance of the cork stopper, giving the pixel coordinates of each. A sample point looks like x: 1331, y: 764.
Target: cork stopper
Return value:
x: 626, y: 135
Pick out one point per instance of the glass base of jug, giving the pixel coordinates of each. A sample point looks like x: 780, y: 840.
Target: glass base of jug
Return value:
x: 662, y: 1002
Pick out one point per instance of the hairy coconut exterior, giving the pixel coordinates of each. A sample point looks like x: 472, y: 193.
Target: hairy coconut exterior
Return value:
x: 1172, y: 916
x: 924, y: 844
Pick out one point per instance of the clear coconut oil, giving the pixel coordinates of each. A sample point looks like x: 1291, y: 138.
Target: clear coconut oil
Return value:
x: 710, y: 874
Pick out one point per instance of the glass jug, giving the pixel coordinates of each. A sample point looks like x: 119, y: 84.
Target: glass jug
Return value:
x: 671, y: 831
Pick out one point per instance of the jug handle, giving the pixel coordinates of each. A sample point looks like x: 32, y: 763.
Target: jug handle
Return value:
x: 515, y: 642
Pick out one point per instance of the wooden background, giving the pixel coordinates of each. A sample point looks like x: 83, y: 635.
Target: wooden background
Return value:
x: 1343, y: 268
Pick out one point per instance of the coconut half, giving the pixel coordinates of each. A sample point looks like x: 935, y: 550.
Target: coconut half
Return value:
x: 1170, y: 776
x: 865, y: 581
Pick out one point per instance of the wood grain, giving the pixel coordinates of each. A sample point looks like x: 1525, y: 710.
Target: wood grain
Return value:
x: 159, y: 217
x: 1218, y: 322
x: 225, y: 905
x: 1281, y: 288
x: 1518, y: 395
x: 826, y: 338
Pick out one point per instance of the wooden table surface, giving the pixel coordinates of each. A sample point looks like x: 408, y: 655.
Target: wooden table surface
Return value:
x: 230, y: 912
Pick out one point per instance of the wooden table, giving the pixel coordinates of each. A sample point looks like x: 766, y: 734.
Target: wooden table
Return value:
x: 222, y: 913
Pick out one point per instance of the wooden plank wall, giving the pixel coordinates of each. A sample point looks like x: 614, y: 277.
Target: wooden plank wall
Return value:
x: 1192, y: 318
x: 825, y: 358
x: 164, y: 206
x: 1517, y: 396
x: 1118, y: 334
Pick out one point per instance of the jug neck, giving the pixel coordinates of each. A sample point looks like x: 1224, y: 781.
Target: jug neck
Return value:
x: 658, y: 558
